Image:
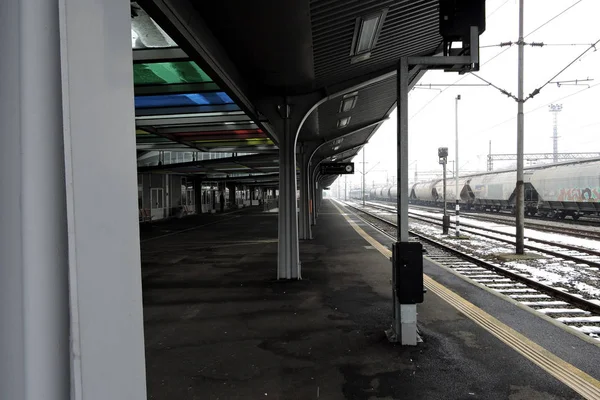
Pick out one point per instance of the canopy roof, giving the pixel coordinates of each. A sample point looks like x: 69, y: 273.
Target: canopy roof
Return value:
x: 238, y: 59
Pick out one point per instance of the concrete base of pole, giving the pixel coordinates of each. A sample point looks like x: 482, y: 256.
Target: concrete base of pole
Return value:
x: 445, y: 224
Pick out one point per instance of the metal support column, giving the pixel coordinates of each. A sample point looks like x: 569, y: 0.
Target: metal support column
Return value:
x: 288, y: 265
x: 304, y: 217
x: 311, y: 190
x: 404, y: 318
x: 314, y: 189
x: 34, y: 286
x: 520, y: 201
x: 231, y: 200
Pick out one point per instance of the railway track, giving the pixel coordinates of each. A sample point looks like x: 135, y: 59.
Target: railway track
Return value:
x: 572, y: 310
x: 569, y: 252
x: 581, y: 229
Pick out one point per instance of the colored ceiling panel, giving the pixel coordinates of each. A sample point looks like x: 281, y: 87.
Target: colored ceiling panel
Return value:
x: 181, y: 100
x: 165, y: 73
x: 253, y: 132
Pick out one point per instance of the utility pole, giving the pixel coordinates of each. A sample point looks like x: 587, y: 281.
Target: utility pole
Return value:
x: 555, y: 109
x: 363, y: 176
x: 345, y: 187
x: 457, y: 223
x: 520, y: 205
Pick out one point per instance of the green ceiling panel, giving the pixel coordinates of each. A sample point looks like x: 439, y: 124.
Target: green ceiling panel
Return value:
x: 166, y: 73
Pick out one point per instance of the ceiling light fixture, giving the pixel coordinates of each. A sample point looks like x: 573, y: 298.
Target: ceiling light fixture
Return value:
x: 366, y: 31
x: 348, y: 102
x: 343, y: 122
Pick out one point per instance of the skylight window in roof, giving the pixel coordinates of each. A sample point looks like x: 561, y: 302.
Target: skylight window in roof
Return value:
x: 145, y: 32
x: 366, y: 31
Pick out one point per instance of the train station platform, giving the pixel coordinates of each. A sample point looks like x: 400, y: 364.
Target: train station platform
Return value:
x: 219, y: 326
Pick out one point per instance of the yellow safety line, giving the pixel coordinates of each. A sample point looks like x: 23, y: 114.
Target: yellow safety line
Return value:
x: 579, y: 381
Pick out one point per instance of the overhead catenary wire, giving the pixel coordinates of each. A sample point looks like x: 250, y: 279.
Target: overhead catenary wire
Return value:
x: 509, y: 45
x: 503, y: 91
x: 552, y: 19
x: 537, y: 91
x: 496, y: 9
x: 454, y: 84
x: 538, y: 108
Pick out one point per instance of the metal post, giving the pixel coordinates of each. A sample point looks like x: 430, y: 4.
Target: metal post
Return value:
x: 364, y: 173
x: 345, y: 187
x: 404, y: 316
x: 520, y: 201
x: 457, y: 222
x: 303, y: 220
x: 288, y: 266
x: 446, y: 218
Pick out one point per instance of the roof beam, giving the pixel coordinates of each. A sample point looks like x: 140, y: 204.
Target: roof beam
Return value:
x: 210, y: 128
x: 153, y: 55
x: 191, y: 120
x: 144, y: 112
x: 178, y: 88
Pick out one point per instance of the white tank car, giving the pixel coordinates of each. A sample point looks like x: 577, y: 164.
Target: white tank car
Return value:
x: 450, y: 189
x: 569, y: 189
x: 496, y: 190
x: 425, y: 191
x: 393, y: 193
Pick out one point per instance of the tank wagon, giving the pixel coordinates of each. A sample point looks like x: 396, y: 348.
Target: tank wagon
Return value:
x: 424, y: 193
x: 497, y: 191
x: 568, y: 189
x: 466, y: 195
x: 558, y: 190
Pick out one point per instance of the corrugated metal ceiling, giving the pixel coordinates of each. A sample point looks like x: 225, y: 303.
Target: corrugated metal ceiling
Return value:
x: 410, y: 28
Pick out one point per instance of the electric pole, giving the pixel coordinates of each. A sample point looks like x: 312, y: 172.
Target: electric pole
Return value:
x: 345, y: 187
x: 363, y: 177
x: 520, y: 204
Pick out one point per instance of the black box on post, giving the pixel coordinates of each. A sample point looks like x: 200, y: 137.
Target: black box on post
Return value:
x: 407, y: 261
x: 457, y: 17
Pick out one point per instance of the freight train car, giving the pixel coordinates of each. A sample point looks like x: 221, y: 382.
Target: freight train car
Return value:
x: 424, y: 192
x: 497, y: 191
x: 466, y: 194
x: 568, y: 189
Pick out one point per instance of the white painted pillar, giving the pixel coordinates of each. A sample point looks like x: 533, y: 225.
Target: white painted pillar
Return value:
x: 304, y: 215
x: 70, y: 283
x: 288, y: 260
x: 100, y: 163
x: 34, y: 314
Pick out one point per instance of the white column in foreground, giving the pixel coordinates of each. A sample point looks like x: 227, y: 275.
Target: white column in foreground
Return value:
x: 34, y: 309
x: 101, y: 196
